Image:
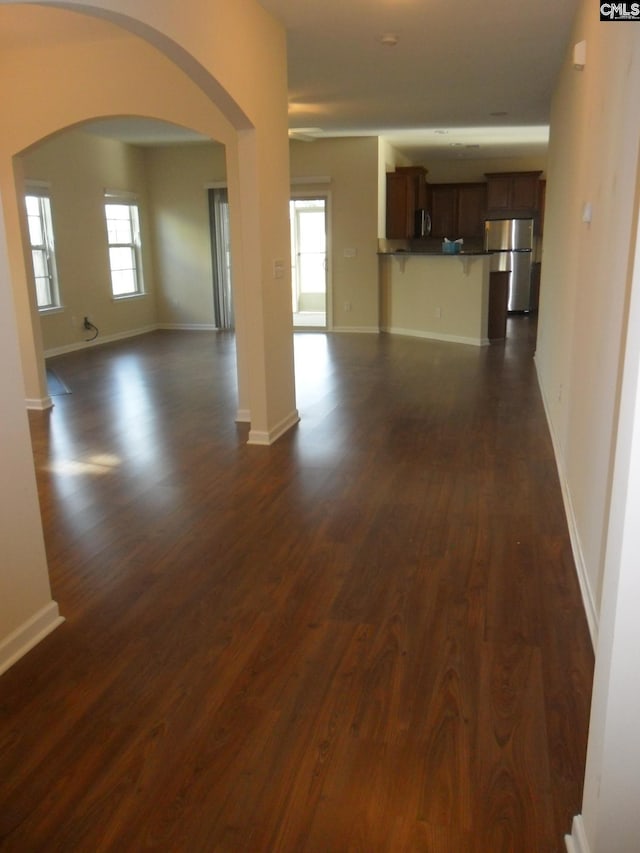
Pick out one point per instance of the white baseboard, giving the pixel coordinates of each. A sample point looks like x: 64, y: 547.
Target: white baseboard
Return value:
x: 101, y: 339
x: 260, y: 437
x: 577, y: 841
x: 189, y: 327
x: 437, y: 336
x: 588, y: 598
x: 364, y: 330
x: 131, y: 333
x: 39, y: 404
x: 243, y: 416
x: 28, y: 635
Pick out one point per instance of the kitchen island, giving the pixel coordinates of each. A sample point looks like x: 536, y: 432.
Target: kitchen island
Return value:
x: 436, y: 295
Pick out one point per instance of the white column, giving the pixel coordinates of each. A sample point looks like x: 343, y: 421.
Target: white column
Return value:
x: 27, y: 611
x: 262, y: 299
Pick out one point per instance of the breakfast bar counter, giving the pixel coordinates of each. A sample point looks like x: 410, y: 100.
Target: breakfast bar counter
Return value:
x: 436, y: 295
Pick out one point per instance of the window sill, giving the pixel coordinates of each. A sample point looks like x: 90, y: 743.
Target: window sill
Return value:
x: 128, y: 296
x: 46, y: 312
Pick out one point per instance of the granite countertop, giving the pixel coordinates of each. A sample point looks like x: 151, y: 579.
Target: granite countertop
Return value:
x: 406, y: 252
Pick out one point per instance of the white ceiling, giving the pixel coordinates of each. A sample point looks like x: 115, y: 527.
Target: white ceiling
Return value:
x: 143, y: 131
x: 482, y: 71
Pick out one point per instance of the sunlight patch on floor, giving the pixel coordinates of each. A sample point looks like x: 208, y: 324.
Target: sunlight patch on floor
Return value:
x: 310, y: 319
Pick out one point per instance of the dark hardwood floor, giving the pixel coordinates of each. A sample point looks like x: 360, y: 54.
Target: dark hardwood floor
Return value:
x: 368, y: 637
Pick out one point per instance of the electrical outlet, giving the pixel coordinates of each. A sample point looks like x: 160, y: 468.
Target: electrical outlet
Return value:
x: 438, y: 313
x: 347, y: 306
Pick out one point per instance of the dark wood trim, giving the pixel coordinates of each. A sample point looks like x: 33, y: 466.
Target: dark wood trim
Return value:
x: 498, y: 304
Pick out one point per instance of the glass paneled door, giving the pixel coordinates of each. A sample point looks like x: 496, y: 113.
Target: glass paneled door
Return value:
x: 221, y: 258
x: 309, y: 262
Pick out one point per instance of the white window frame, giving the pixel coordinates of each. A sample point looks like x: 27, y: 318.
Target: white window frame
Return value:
x: 134, y: 244
x: 46, y: 249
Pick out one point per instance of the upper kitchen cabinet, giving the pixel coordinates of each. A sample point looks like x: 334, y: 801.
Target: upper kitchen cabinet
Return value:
x: 512, y: 194
x: 457, y: 210
x: 472, y: 207
x: 444, y: 210
x: 406, y: 193
x: 542, y: 195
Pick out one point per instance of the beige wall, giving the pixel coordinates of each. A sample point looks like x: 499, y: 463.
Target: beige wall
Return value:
x: 170, y: 183
x: 463, y: 169
x: 593, y: 157
x: 436, y: 296
x: 143, y: 82
x: 79, y: 167
x: 178, y: 176
x: 475, y: 169
x: 351, y: 165
x: 590, y: 284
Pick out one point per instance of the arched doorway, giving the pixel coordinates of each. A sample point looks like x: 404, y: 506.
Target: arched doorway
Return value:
x: 151, y: 62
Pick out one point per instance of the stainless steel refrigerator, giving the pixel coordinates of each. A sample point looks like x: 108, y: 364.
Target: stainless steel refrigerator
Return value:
x: 511, y: 243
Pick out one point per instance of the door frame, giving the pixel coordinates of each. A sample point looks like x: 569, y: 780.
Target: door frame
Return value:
x: 303, y: 192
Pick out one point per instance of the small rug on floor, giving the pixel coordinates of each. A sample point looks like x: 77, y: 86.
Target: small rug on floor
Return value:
x: 55, y: 386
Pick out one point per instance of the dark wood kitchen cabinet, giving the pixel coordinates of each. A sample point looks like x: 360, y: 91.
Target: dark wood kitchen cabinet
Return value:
x: 400, y: 207
x: 498, y: 299
x: 498, y: 192
x: 444, y: 210
x: 472, y: 206
x: 457, y: 210
x: 512, y: 194
x: 406, y: 193
x: 542, y: 200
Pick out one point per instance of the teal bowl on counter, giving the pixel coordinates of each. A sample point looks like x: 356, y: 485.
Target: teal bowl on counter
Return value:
x: 451, y: 248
